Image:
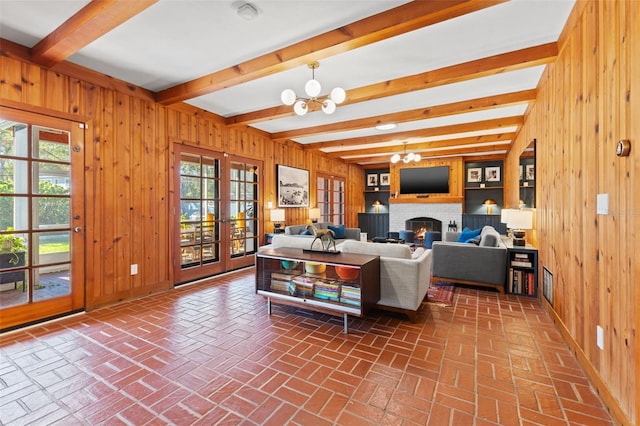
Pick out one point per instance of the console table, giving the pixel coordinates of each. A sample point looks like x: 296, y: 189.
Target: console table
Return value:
x: 336, y: 284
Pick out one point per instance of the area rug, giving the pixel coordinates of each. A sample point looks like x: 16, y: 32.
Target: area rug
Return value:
x: 441, y: 293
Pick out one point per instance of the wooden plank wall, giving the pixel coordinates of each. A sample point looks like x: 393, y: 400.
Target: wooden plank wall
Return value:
x: 587, y: 101
x: 129, y: 147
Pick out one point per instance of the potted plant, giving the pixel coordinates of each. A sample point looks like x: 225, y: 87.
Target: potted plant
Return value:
x: 12, y: 254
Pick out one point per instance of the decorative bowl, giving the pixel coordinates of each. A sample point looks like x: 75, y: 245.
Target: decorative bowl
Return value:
x: 347, y: 273
x: 315, y: 267
x: 289, y: 264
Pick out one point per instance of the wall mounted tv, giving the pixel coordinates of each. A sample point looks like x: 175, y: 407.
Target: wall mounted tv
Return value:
x: 424, y: 180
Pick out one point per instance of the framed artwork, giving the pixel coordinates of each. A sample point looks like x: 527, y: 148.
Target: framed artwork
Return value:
x: 474, y: 174
x: 521, y: 172
x: 547, y: 285
x: 529, y: 172
x: 492, y: 174
x: 372, y: 179
x: 293, y: 186
x: 385, y: 179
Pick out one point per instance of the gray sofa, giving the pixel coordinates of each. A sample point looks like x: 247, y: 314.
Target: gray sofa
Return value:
x: 484, y: 264
x: 349, y: 233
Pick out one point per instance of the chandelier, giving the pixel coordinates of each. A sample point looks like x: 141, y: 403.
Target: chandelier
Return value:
x: 312, y: 89
x: 407, y: 157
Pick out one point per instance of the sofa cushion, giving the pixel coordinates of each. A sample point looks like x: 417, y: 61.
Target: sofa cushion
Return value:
x: 468, y: 234
x: 417, y: 253
x: 489, y: 237
x: 338, y: 231
x: 399, y: 251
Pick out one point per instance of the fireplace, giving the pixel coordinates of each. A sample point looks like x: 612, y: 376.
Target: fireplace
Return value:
x: 422, y: 225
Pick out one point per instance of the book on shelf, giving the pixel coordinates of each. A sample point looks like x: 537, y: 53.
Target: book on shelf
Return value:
x: 521, y: 282
x: 521, y: 263
x: 521, y: 256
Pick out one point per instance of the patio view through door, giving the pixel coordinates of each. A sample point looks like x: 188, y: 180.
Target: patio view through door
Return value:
x: 217, y: 225
x: 41, y: 217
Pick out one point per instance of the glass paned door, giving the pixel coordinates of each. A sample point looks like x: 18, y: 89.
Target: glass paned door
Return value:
x: 217, y: 224
x: 331, y: 196
x: 243, y: 206
x: 41, y: 217
x: 200, y: 219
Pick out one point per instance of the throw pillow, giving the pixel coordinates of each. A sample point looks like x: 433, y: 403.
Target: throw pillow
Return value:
x: 475, y: 240
x: 338, y: 231
x: 468, y: 234
x: 305, y: 232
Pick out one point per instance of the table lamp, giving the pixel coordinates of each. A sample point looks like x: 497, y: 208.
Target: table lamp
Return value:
x: 277, y: 217
x: 519, y: 220
x: 314, y: 215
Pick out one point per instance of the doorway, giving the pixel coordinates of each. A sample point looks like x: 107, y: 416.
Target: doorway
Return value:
x: 41, y: 217
x: 217, y: 224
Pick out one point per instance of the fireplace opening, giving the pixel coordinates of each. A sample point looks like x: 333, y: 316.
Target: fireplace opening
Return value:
x: 421, y: 225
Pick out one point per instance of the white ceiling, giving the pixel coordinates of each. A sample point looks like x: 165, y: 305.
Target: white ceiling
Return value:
x: 176, y: 41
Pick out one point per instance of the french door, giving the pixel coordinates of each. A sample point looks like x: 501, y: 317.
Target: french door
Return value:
x: 41, y: 217
x: 216, y: 224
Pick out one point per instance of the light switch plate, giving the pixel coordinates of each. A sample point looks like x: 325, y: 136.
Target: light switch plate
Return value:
x: 602, y: 204
x: 600, y: 337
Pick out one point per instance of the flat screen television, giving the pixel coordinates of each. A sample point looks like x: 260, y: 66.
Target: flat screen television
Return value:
x: 424, y: 180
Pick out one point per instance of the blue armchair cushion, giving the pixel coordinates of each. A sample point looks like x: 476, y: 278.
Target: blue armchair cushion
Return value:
x: 338, y: 231
x: 467, y: 234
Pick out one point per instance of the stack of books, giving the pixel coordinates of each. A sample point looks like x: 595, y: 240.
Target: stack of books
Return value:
x: 350, y: 295
x: 326, y: 290
x: 522, y: 260
x: 281, y: 281
x: 303, y: 285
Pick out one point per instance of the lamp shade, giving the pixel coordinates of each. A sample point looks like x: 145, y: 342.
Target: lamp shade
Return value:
x: 277, y: 215
x: 314, y: 213
x: 504, y: 216
x: 520, y: 219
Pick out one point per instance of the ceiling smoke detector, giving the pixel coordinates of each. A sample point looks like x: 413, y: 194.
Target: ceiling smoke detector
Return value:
x: 247, y: 11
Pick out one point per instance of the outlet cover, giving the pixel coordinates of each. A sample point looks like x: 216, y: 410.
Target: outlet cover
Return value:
x: 600, y: 337
x: 134, y: 269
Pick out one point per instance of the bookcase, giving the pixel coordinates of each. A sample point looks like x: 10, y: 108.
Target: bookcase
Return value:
x: 522, y: 271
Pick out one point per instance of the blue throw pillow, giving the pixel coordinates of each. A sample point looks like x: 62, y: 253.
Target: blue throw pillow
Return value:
x: 338, y: 231
x: 305, y: 232
x: 468, y: 234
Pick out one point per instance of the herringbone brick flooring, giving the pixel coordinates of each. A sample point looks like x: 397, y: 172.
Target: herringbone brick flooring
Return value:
x: 209, y: 354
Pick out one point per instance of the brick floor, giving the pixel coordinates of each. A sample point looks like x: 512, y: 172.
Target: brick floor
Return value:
x: 209, y: 354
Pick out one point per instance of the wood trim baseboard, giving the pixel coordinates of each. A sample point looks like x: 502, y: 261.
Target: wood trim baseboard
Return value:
x: 603, y: 390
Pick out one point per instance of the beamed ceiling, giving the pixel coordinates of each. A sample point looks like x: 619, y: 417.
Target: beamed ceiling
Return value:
x: 456, y: 76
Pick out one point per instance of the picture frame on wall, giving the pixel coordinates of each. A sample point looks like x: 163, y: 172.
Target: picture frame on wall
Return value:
x: 293, y: 186
x: 492, y: 174
x: 372, y: 179
x: 385, y: 179
x: 521, y: 172
x: 474, y: 174
x: 530, y: 172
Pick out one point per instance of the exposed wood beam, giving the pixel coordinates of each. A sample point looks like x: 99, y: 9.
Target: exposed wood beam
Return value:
x: 512, y: 61
x: 88, y: 24
x: 479, y: 104
x: 435, y: 153
x: 473, y: 126
x: 417, y: 147
x: 399, y: 20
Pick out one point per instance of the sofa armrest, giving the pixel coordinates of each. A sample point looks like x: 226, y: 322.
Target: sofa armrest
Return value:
x: 468, y: 262
x: 352, y: 233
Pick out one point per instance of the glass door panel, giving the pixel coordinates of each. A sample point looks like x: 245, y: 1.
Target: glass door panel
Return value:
x: 243, y: 205
x: 38, y: 249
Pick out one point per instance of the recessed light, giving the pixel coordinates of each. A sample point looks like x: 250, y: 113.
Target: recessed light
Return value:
x: 387, y: 126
